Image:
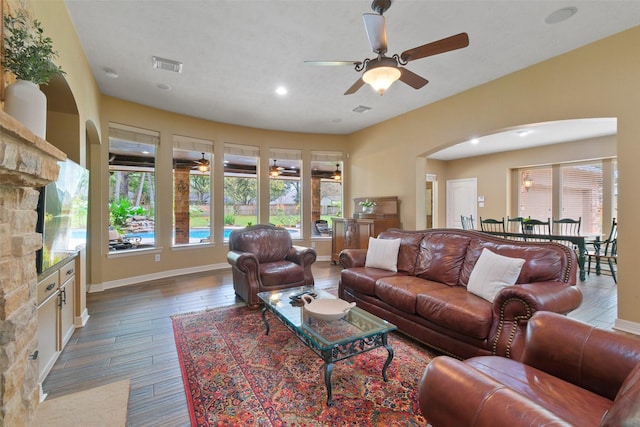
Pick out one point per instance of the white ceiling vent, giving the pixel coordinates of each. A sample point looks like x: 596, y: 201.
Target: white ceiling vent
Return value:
x: 361, y: 109
x: 167, y: 64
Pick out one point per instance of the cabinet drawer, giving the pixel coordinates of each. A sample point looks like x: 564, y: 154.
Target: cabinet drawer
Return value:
x: 67, y: 271
x: 47, y: 287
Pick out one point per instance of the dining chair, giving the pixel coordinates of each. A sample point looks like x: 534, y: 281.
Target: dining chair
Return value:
x: 567, y: 226
x: 605, y: 250
x: 492, y: 225
x: 536, y: 226
x: 467, y: 222
x: 514, y: 225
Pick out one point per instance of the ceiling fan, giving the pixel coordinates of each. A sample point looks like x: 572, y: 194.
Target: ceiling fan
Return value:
x: 382, y: 71
x: 202, y: 164
x: 275, y: 170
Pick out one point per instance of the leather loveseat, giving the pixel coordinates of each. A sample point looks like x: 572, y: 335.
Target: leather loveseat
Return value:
x: 263, y: 258
x: 427, y: 297
x: 570, y: 374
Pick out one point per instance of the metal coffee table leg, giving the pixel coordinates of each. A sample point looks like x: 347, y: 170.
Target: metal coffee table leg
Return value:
x: 328, y: 368
x: 389, y: 357
x: 264, y: 318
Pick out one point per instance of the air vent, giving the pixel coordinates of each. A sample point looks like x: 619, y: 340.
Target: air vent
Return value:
x: 167, y: 64
x: 361, y: 109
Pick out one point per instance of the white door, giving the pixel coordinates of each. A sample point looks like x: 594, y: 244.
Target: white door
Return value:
x: 461, y: 200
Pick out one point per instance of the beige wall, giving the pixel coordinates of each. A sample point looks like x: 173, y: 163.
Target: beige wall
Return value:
x: 597, y: 80
x: 84, y: 105
x: 388, y: 159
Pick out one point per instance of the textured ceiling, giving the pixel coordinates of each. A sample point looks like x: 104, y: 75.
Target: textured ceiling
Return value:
x: 237, y: 52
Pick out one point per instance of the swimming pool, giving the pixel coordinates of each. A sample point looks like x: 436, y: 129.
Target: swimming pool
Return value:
x: 198, y: 234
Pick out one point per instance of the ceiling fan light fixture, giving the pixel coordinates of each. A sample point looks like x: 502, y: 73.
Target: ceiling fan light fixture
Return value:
x: 381, y: 78
x: 203, y: 164
x: 274, y: 171
x: 337, y: 175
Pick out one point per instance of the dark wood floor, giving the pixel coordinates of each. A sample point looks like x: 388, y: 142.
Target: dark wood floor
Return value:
x: 129, y: 335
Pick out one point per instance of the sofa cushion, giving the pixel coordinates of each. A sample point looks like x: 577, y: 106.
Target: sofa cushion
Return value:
x: 279, y: 272
x: 363, y: 279
x: 409, y: 248
x: 568, y: 401
x: 625, y: 410
x: 441, y: 257
x: 383, y: 253
x: 401, y: 292
x: 541, y: 264
x: 493, y: 272
x: 453, y: 308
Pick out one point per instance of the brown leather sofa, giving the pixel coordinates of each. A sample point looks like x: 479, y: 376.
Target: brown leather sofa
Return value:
x: 427, y: 297
x: 570, y: 374
x: 263, y: 258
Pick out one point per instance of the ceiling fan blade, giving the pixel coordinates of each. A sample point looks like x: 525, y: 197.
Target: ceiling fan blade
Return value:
x: 434, y: 48
x: 376, y: 31
x: 354, y: 88
x: 412, y: 79
x: 333, y: 63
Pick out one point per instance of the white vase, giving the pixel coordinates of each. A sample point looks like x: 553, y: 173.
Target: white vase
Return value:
x: 28, y: 104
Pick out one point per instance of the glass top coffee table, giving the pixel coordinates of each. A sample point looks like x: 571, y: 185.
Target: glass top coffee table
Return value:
x: 335, y: 340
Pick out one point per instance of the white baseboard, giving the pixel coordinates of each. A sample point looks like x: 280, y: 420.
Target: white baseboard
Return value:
x: 134, y: 280
x: 82, y: 319
x: 627, y: 326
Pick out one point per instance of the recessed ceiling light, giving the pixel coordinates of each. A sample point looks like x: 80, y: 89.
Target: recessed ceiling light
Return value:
x: 561, y: 15
x: 524, y: 132
x: 163, y: 86
x: 474, y: 141
x: 281, y: 90
x: 110, y: 72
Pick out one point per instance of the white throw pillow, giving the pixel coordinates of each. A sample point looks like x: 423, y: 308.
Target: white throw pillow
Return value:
x: 493, y: 272
x: 383, y: 253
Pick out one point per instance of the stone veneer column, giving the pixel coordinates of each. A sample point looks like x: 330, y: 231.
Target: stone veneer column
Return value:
x: 26, y: 163
x: 181, y: 204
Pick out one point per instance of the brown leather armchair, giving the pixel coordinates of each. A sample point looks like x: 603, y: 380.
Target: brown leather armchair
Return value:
x: 263, y: 258
x: 570, y: 374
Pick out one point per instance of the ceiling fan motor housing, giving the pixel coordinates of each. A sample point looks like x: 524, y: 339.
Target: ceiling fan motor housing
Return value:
x: 380, y: 6
x: 381, y: 61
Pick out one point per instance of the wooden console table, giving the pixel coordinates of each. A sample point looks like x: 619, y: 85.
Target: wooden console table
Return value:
x: 354, y: 233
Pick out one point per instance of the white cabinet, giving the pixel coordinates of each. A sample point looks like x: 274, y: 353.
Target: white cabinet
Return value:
x: 67, y: 302
x: 56, y: 313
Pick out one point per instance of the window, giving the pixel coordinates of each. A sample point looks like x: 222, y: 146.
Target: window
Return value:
x: 326, y: 189
x: 132, y: 191
x: 192, y: 162
x: 535, y: 193
x: 586, y: 190
x: 240, y: 186
x: 285, y: 189
x: 581, y: 196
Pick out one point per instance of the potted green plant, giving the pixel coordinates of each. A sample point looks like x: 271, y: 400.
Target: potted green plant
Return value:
x: 368, y: 206
x: 28, y: 54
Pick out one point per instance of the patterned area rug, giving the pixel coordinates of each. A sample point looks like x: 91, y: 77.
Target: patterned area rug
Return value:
x: 234, y: 374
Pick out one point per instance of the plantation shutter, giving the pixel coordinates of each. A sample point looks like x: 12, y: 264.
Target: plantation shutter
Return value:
x: 536, y: 200
x: 581, y: 195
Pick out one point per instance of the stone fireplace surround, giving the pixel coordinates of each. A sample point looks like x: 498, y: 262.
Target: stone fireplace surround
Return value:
x: 26, y: 163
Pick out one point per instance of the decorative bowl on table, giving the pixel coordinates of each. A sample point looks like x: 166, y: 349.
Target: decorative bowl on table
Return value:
x: 326, y: 308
